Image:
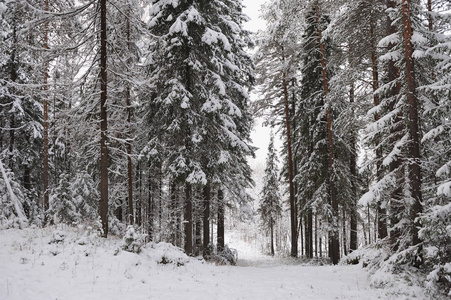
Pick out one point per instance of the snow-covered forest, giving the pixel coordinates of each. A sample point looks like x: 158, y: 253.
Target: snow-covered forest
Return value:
x: 125, y: 126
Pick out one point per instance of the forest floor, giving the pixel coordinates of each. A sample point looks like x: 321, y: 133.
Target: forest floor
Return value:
x: 67, y: 263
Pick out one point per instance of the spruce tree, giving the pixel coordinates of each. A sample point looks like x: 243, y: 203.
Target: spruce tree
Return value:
x: 199, y: 109
x: 270, y: 205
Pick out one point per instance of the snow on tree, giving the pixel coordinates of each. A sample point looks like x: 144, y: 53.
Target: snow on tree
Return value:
x: 270, y: 205
x: 276, y: 62
x: 199, y: 108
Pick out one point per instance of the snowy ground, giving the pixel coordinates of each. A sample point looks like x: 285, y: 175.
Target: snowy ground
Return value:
x: 86, y: 267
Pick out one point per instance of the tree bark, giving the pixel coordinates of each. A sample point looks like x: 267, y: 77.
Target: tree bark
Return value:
x: 345, y: 241
x: 103, y: 121
x: 309, y: 233
x: 353, y: 170
x: 198, y: 233
x: 45, y: 169
x: 334, y: 247
x: 413, y: 124
x: 206, y: 220
x: 395, y: 132
x: 293, y: 207
x: 220, y: 233
x: 129, y: 144
x: 272, y: 235
x: 188, y: 216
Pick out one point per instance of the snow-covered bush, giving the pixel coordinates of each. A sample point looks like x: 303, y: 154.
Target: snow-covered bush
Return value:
x: 133, y: 241
x: 165, y: 253
x: 228, y: 256
x: 58, y: 236
x: 370, y: 255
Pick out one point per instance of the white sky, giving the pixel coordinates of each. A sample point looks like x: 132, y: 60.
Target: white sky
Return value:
x: 260, y: 134
x: 252, y: 10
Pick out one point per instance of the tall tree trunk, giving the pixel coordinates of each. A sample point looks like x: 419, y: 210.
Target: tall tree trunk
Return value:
x: 345, y: 241
x: 139, y: 188
x: 173, y: 213
x: 395, y: 132
x: 430, y: 18
x: 353, y: 170
x: 13, y: 76
x: 309, y: 233
x: 272, y: 236
x: 206, y: 220
x: 220, y: 231
x: 334, y: 247
x: 103, y: 121
x: 129, y: 143
x: 198, y: 233
x: 413, y: 124
x: 188, y: 217
x: 381, y: 212
x: 149, y: 208
x: 45, y: 169
x: 293, y: 207
x: 316, y: 235
x: 369, y: 223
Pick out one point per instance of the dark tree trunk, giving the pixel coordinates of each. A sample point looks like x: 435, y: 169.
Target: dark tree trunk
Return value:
x: 345, y: 241
x: 118, y: 211
x: 103, y: 121
x: 138, y: 185
x: 129, y: 144
x: 316, y: 235
x: 301, y: 231
x: 173, y: 213
x: 188, y: 217
x: 129, y: 167
x: 45, y: 169
x: 293, y: 207
x: 396, y: 133
x: 413, y: 124
x: 272, y: 236
x: 198, y: 233
x: 309, y: 233
x: 353, y: 170
x: 220, y: 234
x: 150, y: 206
x: 206, y: 220
x: 335, y: 245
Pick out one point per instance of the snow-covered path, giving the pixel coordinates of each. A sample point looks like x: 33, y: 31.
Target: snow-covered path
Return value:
x: 31, y: 268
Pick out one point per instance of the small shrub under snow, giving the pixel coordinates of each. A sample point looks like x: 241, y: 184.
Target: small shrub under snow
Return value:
x: 165, y: 253
x: 228, y: 256
x: 58, y: 236
x: 133, y: 241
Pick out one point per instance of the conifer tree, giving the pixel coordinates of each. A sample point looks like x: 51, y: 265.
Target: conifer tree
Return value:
x: 199, y: 111
x: 270, y: 205
x: 276, y: 67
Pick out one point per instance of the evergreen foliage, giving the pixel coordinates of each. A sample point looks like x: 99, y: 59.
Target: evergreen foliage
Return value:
x: 270, y: 205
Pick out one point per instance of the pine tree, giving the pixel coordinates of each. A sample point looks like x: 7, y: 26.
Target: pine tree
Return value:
x: 276, y: 67
x: 20, y: 117
x: 312, y: 142
x: 270, y: 205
